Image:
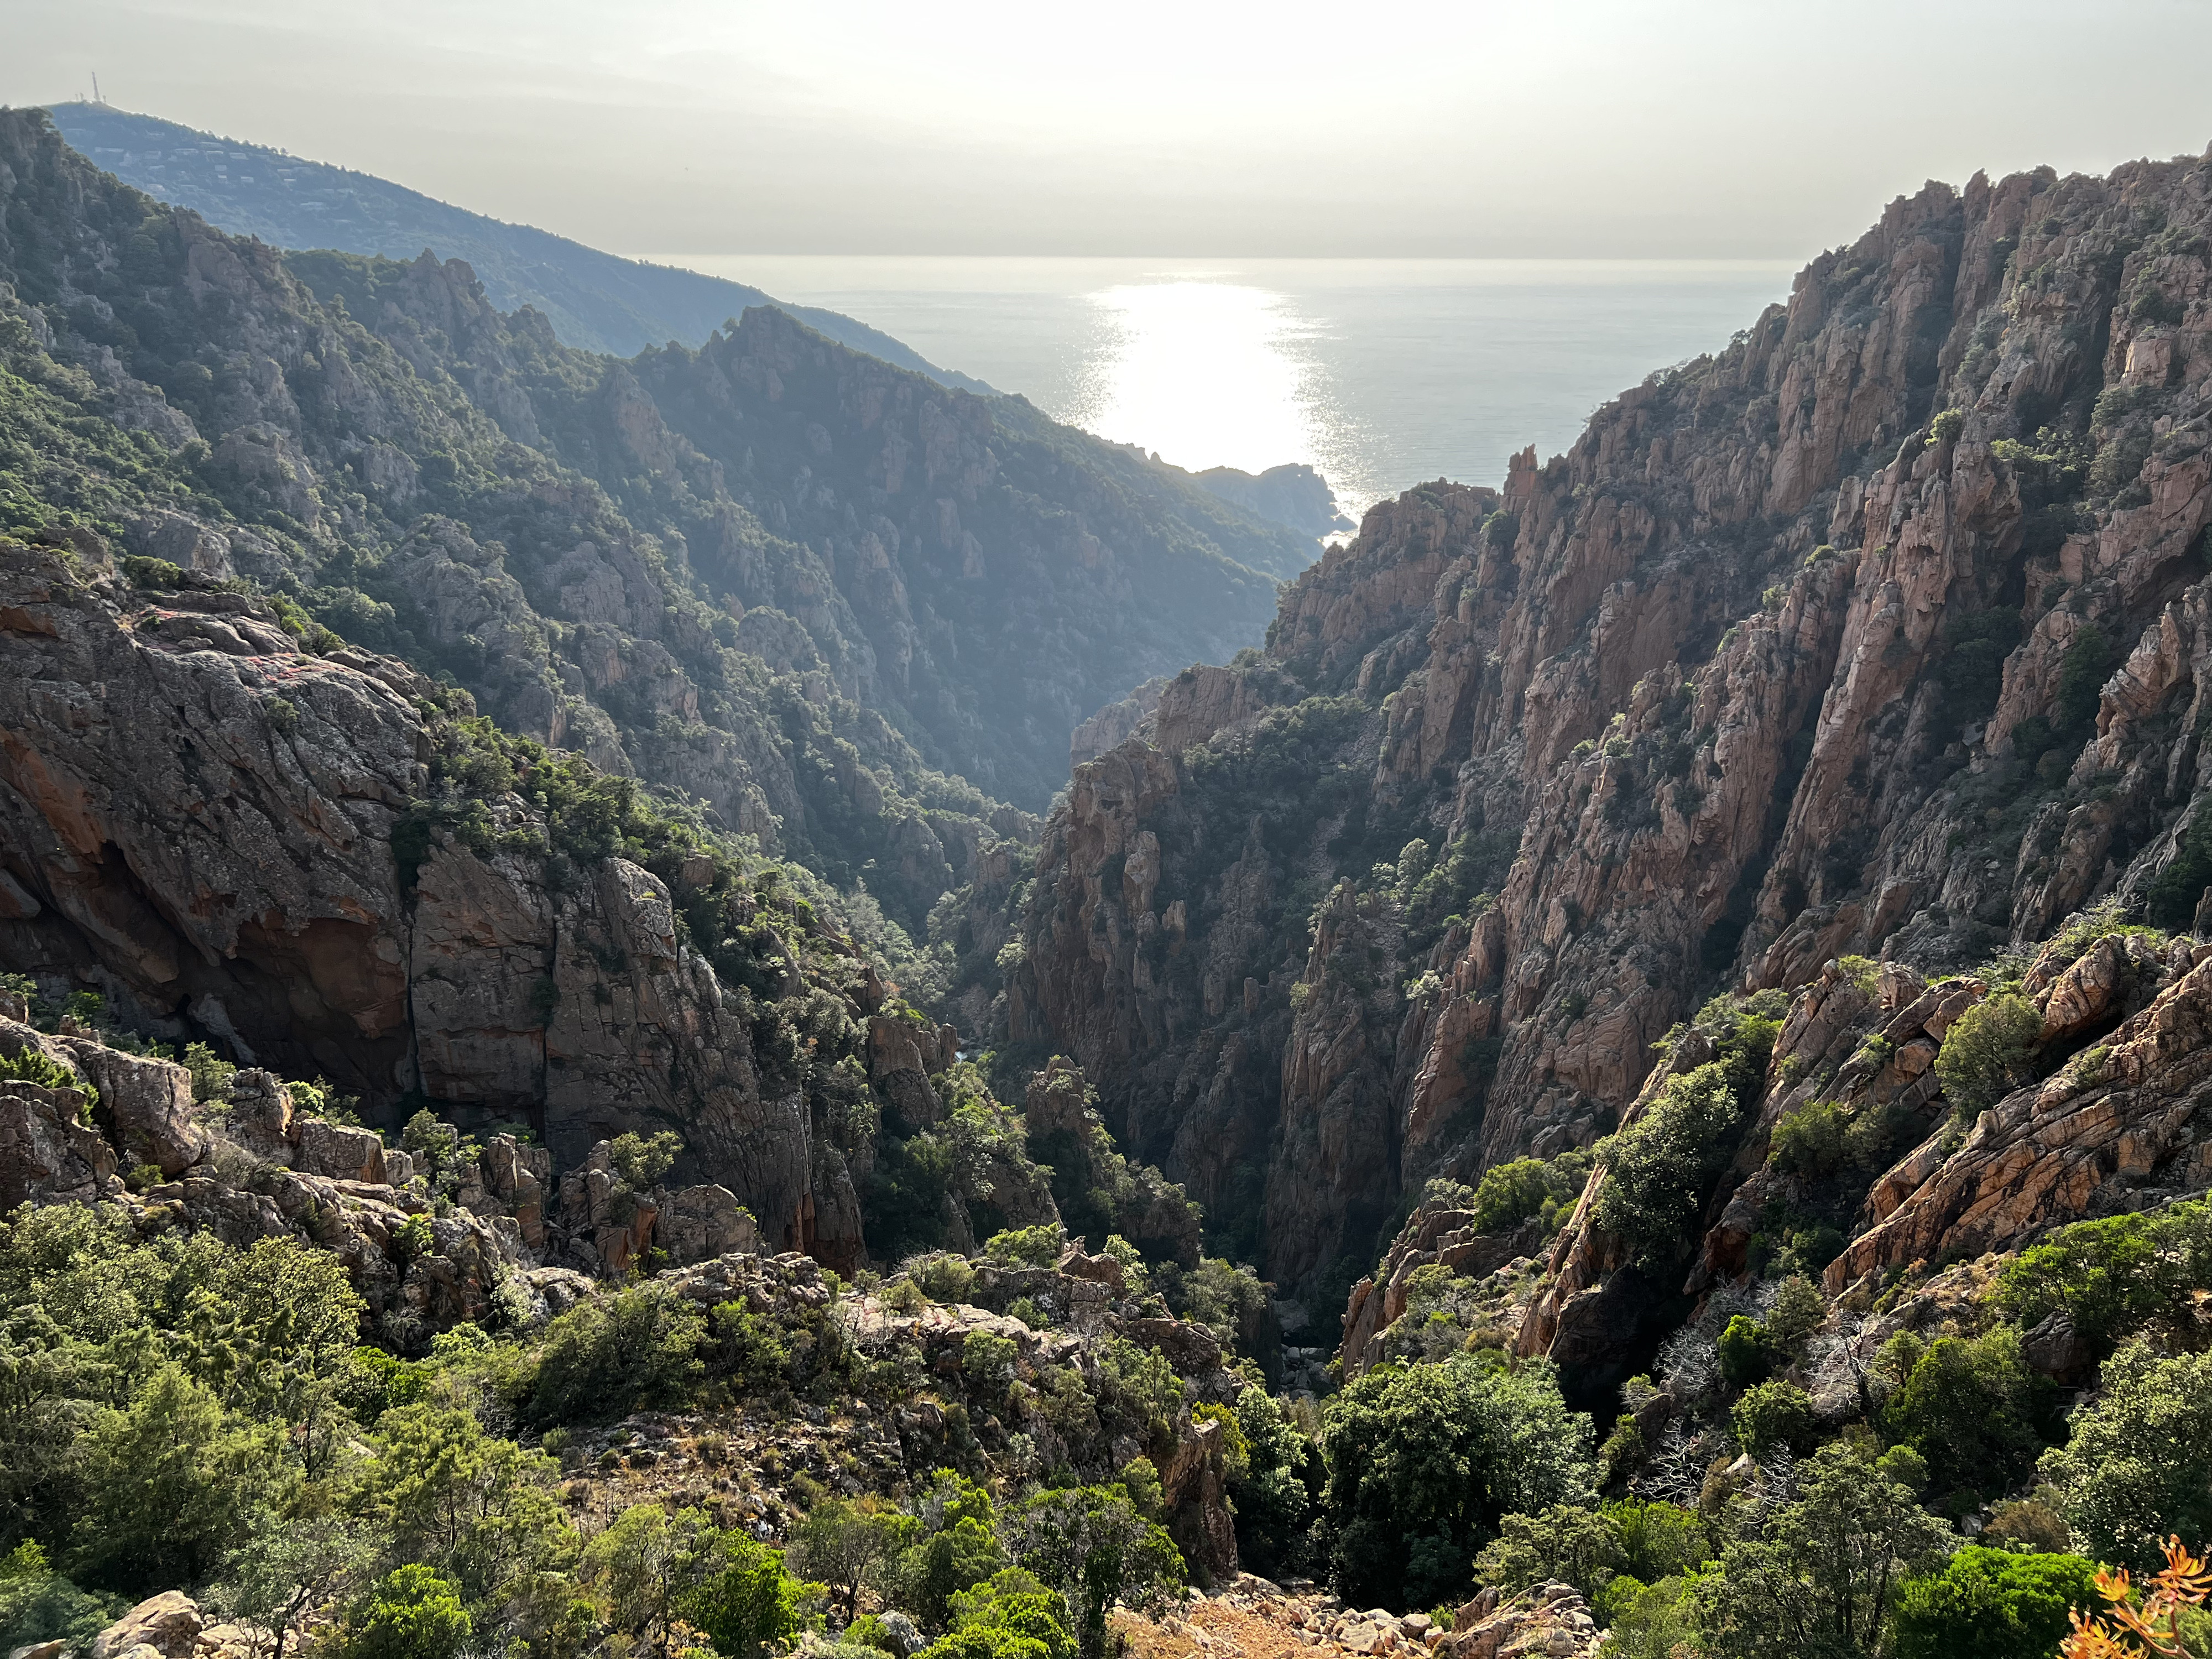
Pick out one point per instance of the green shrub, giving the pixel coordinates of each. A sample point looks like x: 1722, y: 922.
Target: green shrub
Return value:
x: 1027, y: 1246
x: 38, y: 1605
x: 944, y: 1277
x: 1744, y: 1354
x: 1424, y: 1462
x: 1820, y: 1577
x: 1989, y: 1052
x: 988, y: 1360
x: 2139, y: 1464
x: 747, y: 1348
x: 161, y: 575
x: 641, y: 1160
x: 1970, y: 1408
x: 1774, y: 1415
x: 1658, y: 1168
x: 750, y: 1604
x: 1798, y: 1309
x: 1274, y: 1497
x: 1090, y: 1547
x: 31, y: 1065
x: 2114, y: 1275
x: 1011, y: 1616
x: 603, y: 1360
x: 1509, y: 1193
x: 1659, y: 1541
x: 1824, y: 1137
x: 210, y: 1076
x: 412, y: 1614
x: 1568, y: 1542
x: 1993, y: 1604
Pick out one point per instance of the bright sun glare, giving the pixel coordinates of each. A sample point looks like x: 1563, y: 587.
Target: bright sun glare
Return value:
x: 1207, y: 373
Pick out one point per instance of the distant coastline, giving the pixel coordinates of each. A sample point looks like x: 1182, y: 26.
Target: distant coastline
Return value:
x: 1381, y: 374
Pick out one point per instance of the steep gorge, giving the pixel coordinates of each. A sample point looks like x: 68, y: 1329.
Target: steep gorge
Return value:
x: 850, y: 612
x: 1877, y: 632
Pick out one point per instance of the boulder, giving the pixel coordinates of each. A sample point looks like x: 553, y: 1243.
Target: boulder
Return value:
x: 150, y: 1103
x: 341, y: 1151
x: 700, y: 1221
x: 47, y: 1154
x: 2057, y: 1350
x: 169, y: 1624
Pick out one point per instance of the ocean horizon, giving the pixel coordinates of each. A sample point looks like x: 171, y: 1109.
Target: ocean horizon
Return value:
x: 1381, y: 374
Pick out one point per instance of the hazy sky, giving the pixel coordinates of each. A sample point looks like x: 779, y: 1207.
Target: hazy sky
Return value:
x: 1587, y: 127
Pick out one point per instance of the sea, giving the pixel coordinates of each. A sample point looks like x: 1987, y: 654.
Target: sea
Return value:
x: 1381, y: 374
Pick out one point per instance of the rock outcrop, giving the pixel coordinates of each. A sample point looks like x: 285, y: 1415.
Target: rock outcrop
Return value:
x: 1881, y: 1174
x: 1546, y: 1618
x: 202, y: 825
x: 1878, y: 631
x: 2114, y: 1127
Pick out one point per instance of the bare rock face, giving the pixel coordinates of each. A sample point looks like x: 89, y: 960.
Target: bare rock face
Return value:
x: 704, y: 1222
x: 46, y: 1156
x: 1436, y: 1234
x: 2130, y: 1116
x: 341, y: 1151
x: 1194, y: 1489
x: 1819, y: 647
x: 198, y: 817
x: 150, y: 1101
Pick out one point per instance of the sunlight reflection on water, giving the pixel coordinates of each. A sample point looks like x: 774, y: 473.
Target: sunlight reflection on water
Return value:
x: 1208, y: 374
x: 1381, y: 374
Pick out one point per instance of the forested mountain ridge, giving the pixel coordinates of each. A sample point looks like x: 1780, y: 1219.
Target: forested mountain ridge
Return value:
x: 360, y: 474
x: 596, y: 301
x: 1875, y: 632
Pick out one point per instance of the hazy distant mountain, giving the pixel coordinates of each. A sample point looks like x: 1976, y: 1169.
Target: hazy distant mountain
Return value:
x: 595, y: 301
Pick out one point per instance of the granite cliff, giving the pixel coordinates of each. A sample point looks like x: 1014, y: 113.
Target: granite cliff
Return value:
x: 758, y: 573
x: 1875, y: 633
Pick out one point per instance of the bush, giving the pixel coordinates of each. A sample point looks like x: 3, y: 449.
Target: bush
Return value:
x: 210, y: 1076
x: 1743, y: 1352
x: 1971, y: 1409
x: 641, y: 1160
x: 750, y: 1604
x: 38, y: 1605
x: 944, y: 1277
x: 1658, y: 1166
x: 412, y: 1614
x: 1509, y: 1193
x: 1774, y: 1415
x: 1273, y: 1497
x: 1648, y: 1621
x: 1423, y: 1463
x: 747, y: 1348
x: 1798, y: 1309
x: 988, y: 1360
x: 1091, y: 1546
x: 1823, y: 1138
x: 1012, y: 1614
x: 604, y: 1359
x: 1658, y: 1542
x: 2115, y: 1275
x: 1027, y: 1246
x: 1992, y: 1604
x: 1820, y: 1577
x: 2139, y: 1464
x: 31, y: 1065
x: 1574, y: 1544
x: 1989, y: 1052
